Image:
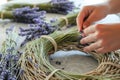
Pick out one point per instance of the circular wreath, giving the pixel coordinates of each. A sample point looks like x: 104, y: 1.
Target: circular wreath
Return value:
x: 36, y: 65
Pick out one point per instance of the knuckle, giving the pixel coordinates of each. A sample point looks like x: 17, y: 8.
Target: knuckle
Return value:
x: 82, y: 41
x: 98, y: 35
x: 102, y: 50
x: 86, y: 8
x: 98, y: 27
x: 104, y: 43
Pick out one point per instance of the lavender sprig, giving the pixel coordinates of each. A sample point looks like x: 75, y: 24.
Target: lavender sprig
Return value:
x: 9, y: 57
x: 62, y: 6
x: 27, y: 14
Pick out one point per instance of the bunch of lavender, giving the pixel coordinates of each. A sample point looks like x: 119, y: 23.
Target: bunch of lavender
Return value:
x: 62, y: 6
x: 27, y: 14
x: 9, y: 57
x: 8, y: 68
x: 34, y: 31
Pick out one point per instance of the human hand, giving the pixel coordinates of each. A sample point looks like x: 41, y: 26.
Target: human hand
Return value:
x: 90, y: 14
x: 105, y: 38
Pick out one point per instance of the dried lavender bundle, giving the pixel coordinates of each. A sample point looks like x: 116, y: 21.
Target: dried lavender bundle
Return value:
x: 9, y: 57
x: 40, y: 26
x: 53, y: 6
x: 27, y: 14
x: 35, y: 54
x: 62, y: 6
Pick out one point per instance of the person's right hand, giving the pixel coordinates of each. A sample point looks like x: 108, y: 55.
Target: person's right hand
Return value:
x: 90, y: 14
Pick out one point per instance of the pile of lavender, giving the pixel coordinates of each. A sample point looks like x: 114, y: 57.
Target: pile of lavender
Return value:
x: 9, y: 57
x: 62, y: 6
x: 38, y: 24
x: 27, y: 14
x: 36, y: 30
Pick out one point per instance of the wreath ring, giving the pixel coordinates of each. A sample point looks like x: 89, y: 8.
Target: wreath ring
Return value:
x: 108, y: 64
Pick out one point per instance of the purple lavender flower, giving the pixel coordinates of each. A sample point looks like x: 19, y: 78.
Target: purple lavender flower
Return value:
x: 7, y: 66
x: 39, y: 26
x: 62, y: 6
x: 36, y: 30
x: 27, y: 14
x: 9, y: 58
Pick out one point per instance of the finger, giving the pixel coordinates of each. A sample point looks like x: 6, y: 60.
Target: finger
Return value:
x: 89, y: 38
x: 89, y: 30
x: 101, y: 50
x: 93, y: 46
x: 79, y: 21
x: 91, y: 19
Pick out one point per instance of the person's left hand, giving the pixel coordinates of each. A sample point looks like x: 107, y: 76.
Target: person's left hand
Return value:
x: 103, y: 38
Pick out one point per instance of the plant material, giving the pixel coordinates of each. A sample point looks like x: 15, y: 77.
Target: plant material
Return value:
x: 27, y: 14
x: 9, y: 57
x: 54, y: 6
x: 108, y: 68
x: 40, y: 26
x: 69, y: 19
x: 62, y: 6
x: 36, y: 30
x: 35, y: 52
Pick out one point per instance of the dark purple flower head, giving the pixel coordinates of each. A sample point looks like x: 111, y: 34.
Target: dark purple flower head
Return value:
x: 27, y: 14
x: 62, y: 6
x: 36, y: 30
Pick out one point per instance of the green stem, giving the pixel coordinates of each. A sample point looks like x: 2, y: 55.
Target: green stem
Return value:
x: 6, y: 15
x: 70, y: 19
x: 42, y: 6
